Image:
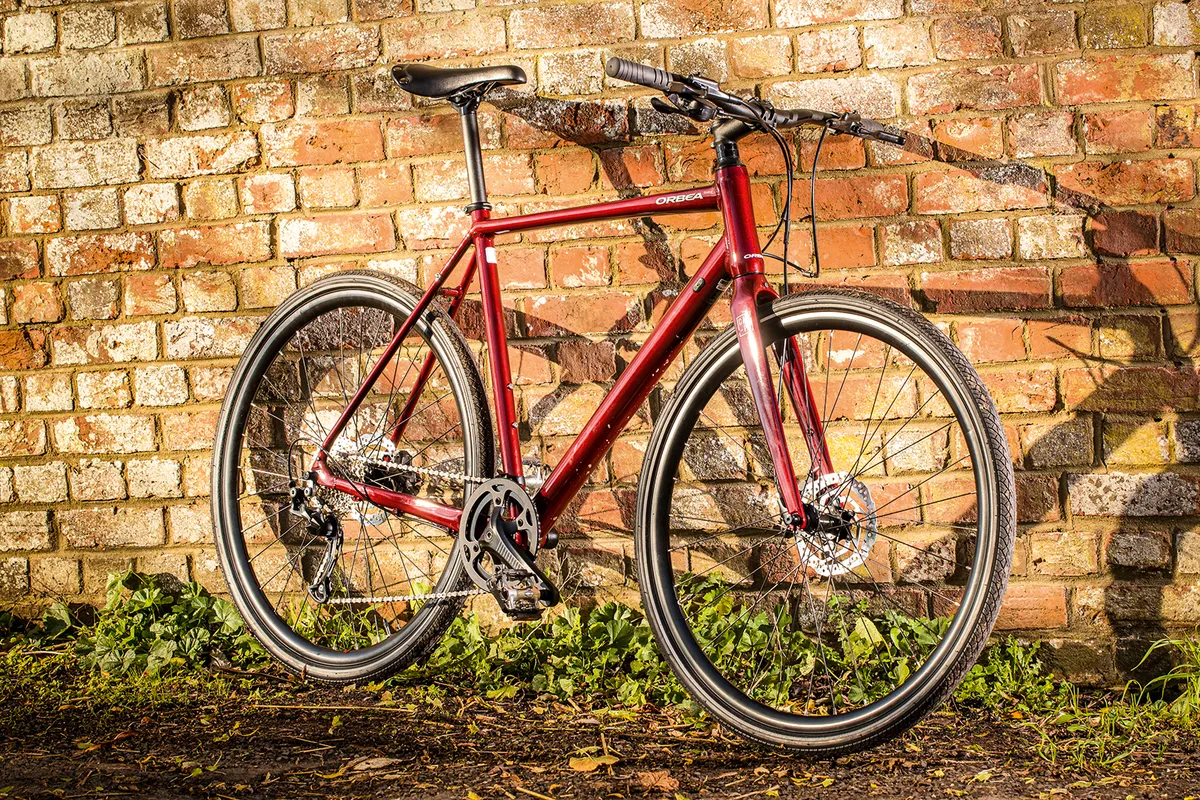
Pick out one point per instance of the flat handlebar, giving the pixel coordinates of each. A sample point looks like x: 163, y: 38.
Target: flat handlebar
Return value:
x: 704, y: 91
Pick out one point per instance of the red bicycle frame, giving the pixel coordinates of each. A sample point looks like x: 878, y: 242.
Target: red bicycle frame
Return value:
x: 736, y: 258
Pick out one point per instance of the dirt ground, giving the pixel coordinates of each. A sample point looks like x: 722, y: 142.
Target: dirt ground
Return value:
x: 325, y: 743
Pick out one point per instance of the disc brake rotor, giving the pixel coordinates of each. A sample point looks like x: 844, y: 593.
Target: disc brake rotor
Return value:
x: 847, y: 528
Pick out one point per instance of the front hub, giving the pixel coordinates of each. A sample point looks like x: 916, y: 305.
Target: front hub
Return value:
x: 842, y: 527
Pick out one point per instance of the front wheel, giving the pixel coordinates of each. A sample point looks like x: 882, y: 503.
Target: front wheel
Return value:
x: 838, y: 637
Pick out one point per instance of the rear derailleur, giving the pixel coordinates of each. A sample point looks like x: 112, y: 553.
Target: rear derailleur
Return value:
x: 499, y: 539
x: 323, y: 524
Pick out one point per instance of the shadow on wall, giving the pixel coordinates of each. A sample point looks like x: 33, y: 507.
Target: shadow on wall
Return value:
x: 1145, y: 508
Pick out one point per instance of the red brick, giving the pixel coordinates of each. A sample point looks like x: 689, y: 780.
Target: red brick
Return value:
x: 988, y: 289
x: 854, y: 197
x: 1058, y: 338
x: 263, y: 101
x: 841, y: 152
x: 441, y: 36
x: 111, y: 252
x: 568, y: 171
x: 645, y: 262
x: 327, y: 187
x: 962, y: 38
x: 209, y: 154
x: 1125, y: 233
x: 36, y: 302
x: 22, y: 437
x: 1033, y: 607
x: 592, y: 312
x: 586, y: 362
x: 984, y: 88
x: 1120, y: 131
x: 22, y: 350
x: 220, y: 244
x: 437, y: 133
x: 991, y: 340
x: 846, y: 246
x: 324, y: 142
x: 336, y: 233
x: 828, y: 50
x: 989, y: 189
x: 980, y: 138
x: 268, y: 194
x: 149, y: 294
x: 1040, y: 34
x: 1127, y: 284
x: 1116, y: 79
x: 1183, y: 230
x: 18, y: 259
x: 1164, y: 180
x: 323, y: 50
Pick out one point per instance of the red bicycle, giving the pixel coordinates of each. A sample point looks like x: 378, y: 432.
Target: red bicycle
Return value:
x: 825, y: 514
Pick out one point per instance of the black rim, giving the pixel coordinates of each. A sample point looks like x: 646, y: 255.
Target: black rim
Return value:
x: 288, y: 328
x: 699, y: 673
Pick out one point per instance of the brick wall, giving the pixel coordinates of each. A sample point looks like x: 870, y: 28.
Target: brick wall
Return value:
x: 171, y: 171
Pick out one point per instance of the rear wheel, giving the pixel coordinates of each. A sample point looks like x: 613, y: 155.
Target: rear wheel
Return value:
x: 379, y: 594
x: 834, y: 638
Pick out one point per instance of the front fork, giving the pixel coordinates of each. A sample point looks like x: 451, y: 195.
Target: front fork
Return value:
x: 751, y: 292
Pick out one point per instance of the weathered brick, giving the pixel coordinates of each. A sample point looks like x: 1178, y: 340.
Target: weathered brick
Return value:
x: 40, y: 483
x: 26, y: 530
x: 987, y: 189
x: 106, y: 389
x: 913, y: 242
x: 22, y: 437
x: 64, y: 166
x: 263, y: 101
x: 18, y: 259
x: 93, y: 298
x: 897, y: 44
x: 258, y: 15
x: 203, y: 108
x: 323, y: 50
x: 268, y: 194
x: 325, y: 142
x: 1032, y: 606
x: 210, y: 154
x: 141, y: 114
x: 1051, y: 236
x: 105, y: 344
x: 151, y: 203
x: 36, y: 214
x: 979, y: 138
x: 1043, y: 33
x: 962, y: 38
x: 48, y: 391
x: 12, y: 80
x: 1128, y: 182
x: 58, y: 577
x: 849, y: 198
x: 14, y: 172
x: 155, y: 477
x: 761, y: 56
x: 322, y: 96
x: 91, y: 74
x: 139, y: 23
x: 1064, y: 554
x: 1113, y: 27
x: 797, y: 14
x: 1124, y: 233
x: 1131, y: 388
x: 1113, y: 79
x: 981, y: 238
x: 196, y: 18
x: 266, y: 287
x: 24, y: 125
x: 1176, y: 24
x: 984, y: 88
x: 160, y: 385
x: 871, y: 95
x: 670, y: 19
x: 443, y: 37
x: 95, y: 253
x: 337, y: 233
x: 327, y: 187
x: 112, y: 527
x: 194, y: 431
x: 22, y: 349
x: 210, y: 60
x: 196, y: 337
x: 29, y: 33
x: 1118, y: 494
x: 83, y: 119
x: 93, y: 209
x: 1041, y: 134
x: 87, y: 27
x: 208, y: 291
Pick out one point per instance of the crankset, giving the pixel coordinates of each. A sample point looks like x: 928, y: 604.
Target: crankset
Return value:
x: 499, y: 535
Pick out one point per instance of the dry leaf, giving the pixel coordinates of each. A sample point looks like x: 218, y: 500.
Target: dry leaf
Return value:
x: 657, y: 781
x: 592, y: 763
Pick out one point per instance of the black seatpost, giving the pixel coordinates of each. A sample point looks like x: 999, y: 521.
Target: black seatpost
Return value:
x: 467, y: 103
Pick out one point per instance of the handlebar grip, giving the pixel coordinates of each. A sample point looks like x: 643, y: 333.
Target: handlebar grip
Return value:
x: 642, y: 74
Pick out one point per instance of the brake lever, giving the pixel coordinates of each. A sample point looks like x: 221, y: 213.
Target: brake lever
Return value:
x: 692, y: 109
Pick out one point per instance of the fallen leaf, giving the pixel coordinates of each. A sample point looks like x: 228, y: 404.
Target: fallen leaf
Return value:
x: 373, y: 764
x: 982, y: 776
x: 657, y: 781
x: 592, y: 763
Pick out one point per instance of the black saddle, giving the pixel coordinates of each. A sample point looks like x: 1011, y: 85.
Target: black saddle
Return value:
x: 427, y: 81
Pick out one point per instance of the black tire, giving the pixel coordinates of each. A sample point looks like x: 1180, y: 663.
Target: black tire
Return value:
x: 404, y: 636
x: 659, y: 564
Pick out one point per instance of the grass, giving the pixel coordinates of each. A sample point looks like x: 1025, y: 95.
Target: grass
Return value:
x: 154, y: 644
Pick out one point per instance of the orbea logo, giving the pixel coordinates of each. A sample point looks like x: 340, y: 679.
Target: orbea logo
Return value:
x: 677, y: 198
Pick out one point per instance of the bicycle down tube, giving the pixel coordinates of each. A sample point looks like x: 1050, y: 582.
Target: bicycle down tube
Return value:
x: 735, y: 258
